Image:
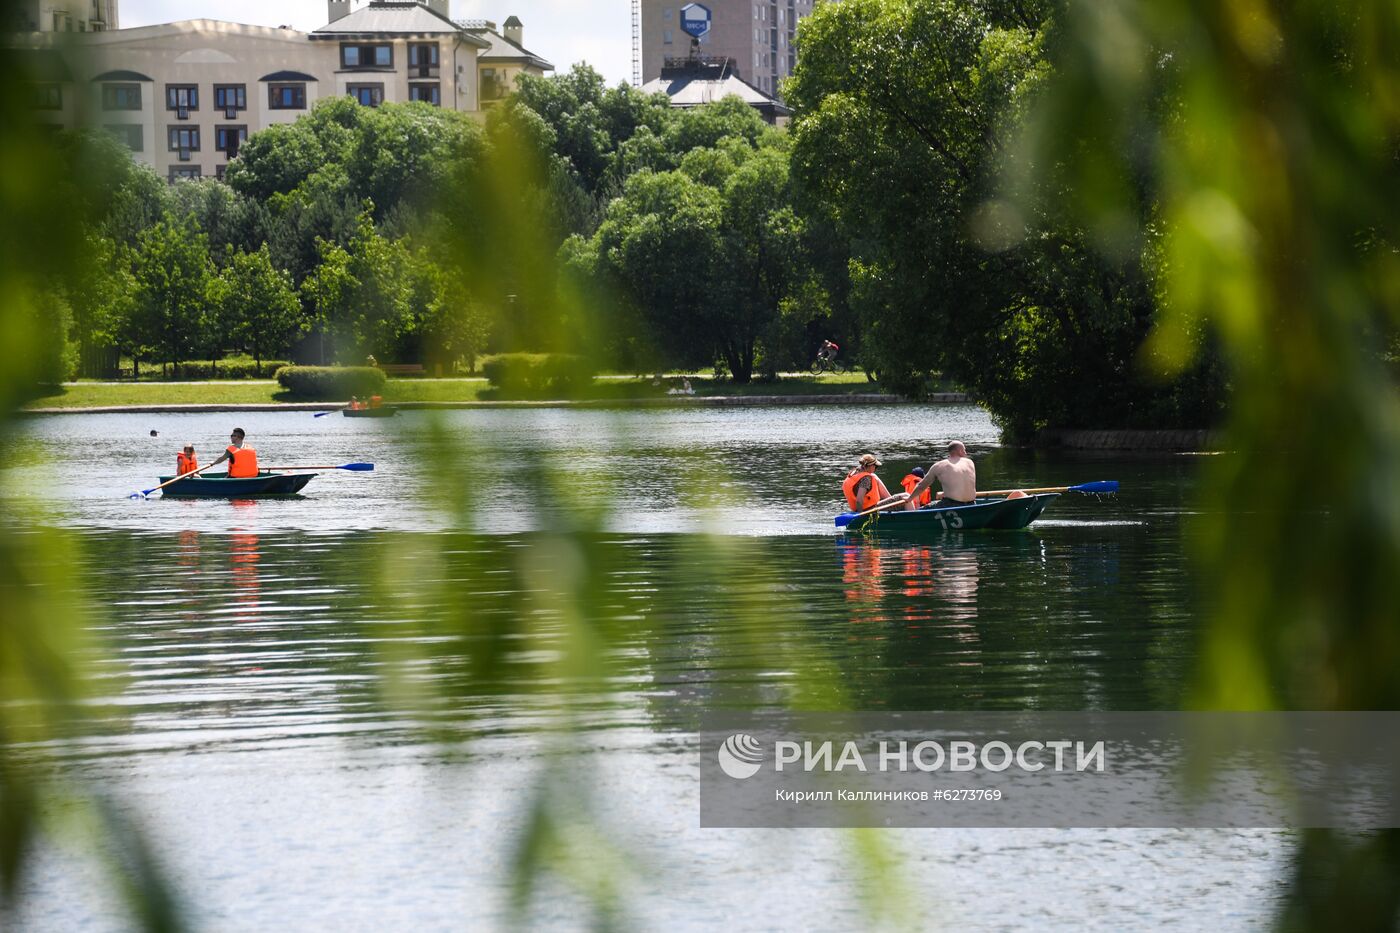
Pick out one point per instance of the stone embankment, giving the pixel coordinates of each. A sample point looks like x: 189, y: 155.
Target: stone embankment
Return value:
x: 1191, y: 440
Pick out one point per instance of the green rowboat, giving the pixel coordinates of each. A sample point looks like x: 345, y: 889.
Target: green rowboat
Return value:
x: 989, y: 513
x: 220, y: 486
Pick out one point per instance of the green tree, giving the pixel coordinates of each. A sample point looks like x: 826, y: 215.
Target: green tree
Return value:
x: 172, y: 272
x: 259, y: 304
x: 767, y: 264
x: 101, y: 293
x: 360, y: 294
x: 903, y: 112
x: 328, y: 291
x: 663, y: 247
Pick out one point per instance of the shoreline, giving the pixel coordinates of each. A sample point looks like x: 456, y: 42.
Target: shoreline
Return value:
x: 682, y: 401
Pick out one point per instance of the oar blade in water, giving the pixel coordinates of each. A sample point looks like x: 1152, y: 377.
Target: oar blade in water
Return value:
x: 1102, y: 486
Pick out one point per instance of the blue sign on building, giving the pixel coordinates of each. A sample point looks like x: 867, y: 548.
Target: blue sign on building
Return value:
x: 695, y: 20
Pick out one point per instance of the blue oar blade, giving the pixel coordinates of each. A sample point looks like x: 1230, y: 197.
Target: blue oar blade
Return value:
x: 357, y: 467
x: 1106, y: 485
x: 845, y: 519
x: 322, y: 414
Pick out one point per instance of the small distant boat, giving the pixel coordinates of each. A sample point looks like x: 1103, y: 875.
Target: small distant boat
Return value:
x: 992, y: 513
x: 221, y: 486
x: 384, y: 411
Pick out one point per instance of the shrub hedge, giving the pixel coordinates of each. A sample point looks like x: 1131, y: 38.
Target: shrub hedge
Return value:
x: 330, y: 382
x: 236, y: 368
x: 538, y: 375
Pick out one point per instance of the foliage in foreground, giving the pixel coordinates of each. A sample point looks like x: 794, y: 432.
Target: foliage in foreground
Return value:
x: 1277, y: 176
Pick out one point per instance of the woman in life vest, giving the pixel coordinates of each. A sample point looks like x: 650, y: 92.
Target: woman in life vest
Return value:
x: 863, y: 488
x: 185, y: 461
x: 912, y: 480
x: 242, y: 460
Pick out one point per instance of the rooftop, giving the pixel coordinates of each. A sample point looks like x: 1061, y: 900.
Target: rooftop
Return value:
x: 389, y: 17
x: 499, y: 48
x: 700, y: 82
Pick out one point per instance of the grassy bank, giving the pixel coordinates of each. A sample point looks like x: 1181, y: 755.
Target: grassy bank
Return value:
x: 245, y: 392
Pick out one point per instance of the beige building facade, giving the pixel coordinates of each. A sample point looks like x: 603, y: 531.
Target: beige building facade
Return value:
x: 757, y: 37
x: 184, y: 96
x: 62, y: 16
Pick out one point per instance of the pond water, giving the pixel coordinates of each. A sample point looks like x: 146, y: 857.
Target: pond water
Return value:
x: 339, y: 708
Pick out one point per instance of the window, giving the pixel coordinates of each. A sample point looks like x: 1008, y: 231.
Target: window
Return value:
x: 666, y: 36
x: 230, y: 98
x: 129, y: 134
x: 220, y: 170
x: 184, y: 173
x: 379, y: 55
x: 286, y: 96
x: 428, y: 93
x: 369, y: 95
x: 121, y: 97
x: 666, y: 14
x: 227, y: 139
x: 184, y: 140
x: 182, y: 98
x: 423, y: 60
x: 493, y: 86
x: 48, y: 97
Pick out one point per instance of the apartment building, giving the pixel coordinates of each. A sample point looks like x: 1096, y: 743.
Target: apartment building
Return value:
x: 758, y: 36
x: 184, y: 96
x: 61, y: 16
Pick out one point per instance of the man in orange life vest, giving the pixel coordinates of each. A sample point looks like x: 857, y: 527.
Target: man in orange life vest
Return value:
x: 185, y: 461
x: 863, y: 488
x: 242, y: 460
x: 909, y: 482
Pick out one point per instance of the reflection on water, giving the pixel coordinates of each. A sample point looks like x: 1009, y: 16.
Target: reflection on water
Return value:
x: 267, y: 638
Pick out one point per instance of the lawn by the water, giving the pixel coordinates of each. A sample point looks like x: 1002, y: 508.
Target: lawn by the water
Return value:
x: 102, y: 394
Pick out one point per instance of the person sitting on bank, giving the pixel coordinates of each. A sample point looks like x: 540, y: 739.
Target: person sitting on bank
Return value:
x: 863, y: 488
x: 909, y: 483
x: 242, y: 460
x: 956, y: 474
x: 185, y: 461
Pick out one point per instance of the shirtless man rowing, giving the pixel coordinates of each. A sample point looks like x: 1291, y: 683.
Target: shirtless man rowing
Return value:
x: 957, y: 475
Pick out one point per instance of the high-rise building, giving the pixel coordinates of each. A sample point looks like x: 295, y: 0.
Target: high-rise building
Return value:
x: 757, y: 37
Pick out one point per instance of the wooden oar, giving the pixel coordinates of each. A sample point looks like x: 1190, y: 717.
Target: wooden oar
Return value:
x: 1101, y: 486
x: 900, y: 498
x: 147, y: 493
x: 357, y: 467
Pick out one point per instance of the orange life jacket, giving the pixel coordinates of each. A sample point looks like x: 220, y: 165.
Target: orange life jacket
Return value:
x: 375, y: 401
x: 872, y: 497
x: 243, y: 462
x: 910, y: 481
x: 184, y: 464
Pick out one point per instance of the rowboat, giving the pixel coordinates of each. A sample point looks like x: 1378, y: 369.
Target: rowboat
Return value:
x: 221, y: 486
x: 382, y: 412
x: 989, y: 513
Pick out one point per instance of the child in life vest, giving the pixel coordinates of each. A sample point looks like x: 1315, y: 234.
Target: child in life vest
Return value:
x: 185, y: 461
x: 912, y: 480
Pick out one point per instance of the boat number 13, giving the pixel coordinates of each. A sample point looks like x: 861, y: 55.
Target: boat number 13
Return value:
x: 953, y: 520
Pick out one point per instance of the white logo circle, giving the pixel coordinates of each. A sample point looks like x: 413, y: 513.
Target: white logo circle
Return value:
x: 740, y: 756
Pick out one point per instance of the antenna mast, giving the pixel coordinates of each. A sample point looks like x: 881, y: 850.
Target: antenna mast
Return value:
x: 636, y: 43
